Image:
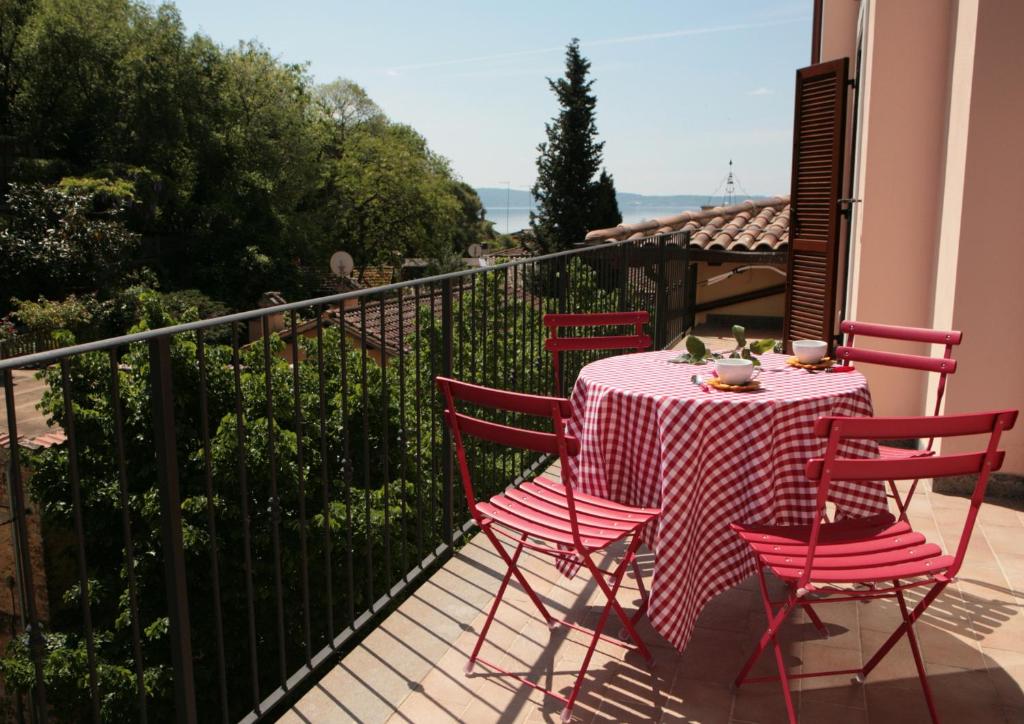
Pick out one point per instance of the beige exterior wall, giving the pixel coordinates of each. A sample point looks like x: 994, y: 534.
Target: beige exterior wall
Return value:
x: 940, y: 168
x: 749, y: 281
x: 981, y: 286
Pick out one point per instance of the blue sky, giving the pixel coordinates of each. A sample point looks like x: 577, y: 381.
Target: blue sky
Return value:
x: 682, y: 86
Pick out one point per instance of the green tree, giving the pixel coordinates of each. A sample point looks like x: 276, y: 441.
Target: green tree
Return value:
x: 606, y: 206
x: 568, y: 160
x: 389, y: 196
x: 53, y: 245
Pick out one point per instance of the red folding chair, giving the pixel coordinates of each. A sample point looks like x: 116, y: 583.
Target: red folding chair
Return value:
x: 545, y: 516
x: 638, y: 341
x: 943, y: 366
x: 875, y: 557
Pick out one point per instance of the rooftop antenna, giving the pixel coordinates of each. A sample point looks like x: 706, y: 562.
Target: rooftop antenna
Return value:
x: 730, y: 186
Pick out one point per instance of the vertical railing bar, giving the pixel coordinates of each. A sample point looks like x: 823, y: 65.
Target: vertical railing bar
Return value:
x: 246, y: 520
x: 324, y: 486
x: 243, y: 489
x: 25, y: 578
x: 516, y: 373
x: 385, y: 466
x: 506, y: 459
x: 300, y: 475
x: 275, y: 502
x: 459, y: 501
x: 623, y: 276
x: 211, y: 521
x: 347, y: 474
x: 366, y: 455
x: 435, y: 461
x: 175, y: 577
x: 446, y: 438
x: 76, y: 501
x: 403, y: 451
x: 126, y: 527
x: 417, y: 489
x: 473, y: 330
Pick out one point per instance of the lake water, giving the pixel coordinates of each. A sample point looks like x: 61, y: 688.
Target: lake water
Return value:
x: 519, y: 216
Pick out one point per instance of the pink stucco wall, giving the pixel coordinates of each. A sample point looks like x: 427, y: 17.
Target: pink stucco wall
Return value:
x: 905, y: 92
x: 941, y: 169
x: 988, y: 289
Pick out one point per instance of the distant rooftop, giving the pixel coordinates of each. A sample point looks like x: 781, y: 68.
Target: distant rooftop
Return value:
x: 761, y: 225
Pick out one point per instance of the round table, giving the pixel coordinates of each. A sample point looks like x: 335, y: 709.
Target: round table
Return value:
x: 651, y: 437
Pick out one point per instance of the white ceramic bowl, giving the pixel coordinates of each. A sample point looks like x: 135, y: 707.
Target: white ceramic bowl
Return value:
x: 809, y: 351
x: 734, y: 371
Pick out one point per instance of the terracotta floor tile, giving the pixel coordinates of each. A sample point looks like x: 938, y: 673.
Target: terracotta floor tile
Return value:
x: 823, y: 712
x: 1006, y: 669
x: 1004, y: 538
x: 837, y: 689
x: 697, y: 702
x: 762, y: 703
x: 889, y: 703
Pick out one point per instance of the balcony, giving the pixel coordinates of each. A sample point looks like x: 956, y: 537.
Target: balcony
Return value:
x: 256, y: 517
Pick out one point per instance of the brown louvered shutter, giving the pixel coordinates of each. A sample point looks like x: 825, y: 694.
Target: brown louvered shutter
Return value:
x: 819, y: 129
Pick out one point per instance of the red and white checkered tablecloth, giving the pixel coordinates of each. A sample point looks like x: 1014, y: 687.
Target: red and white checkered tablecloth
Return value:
x: 650, y: 437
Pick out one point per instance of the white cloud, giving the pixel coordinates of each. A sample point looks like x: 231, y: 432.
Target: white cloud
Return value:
x: 626, y: 39
x: 762, y: 91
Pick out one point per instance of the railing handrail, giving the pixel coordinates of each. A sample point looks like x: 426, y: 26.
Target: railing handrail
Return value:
x: 111, y: 342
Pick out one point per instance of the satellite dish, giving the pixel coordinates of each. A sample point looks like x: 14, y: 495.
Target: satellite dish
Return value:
x: 341, y: 263
x: 475, y: 251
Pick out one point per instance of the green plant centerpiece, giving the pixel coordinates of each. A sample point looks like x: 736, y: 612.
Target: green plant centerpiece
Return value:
x: 698, y: 353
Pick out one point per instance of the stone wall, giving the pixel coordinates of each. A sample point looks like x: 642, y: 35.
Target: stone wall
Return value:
x: 10, y: 603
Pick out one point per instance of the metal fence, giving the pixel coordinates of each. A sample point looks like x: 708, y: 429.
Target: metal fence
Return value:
x: 239, y: 498
x: 28, y: 343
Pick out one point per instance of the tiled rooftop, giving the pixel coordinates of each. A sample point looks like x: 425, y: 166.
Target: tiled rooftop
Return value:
x: 758, y: 225
x: 410, y: 668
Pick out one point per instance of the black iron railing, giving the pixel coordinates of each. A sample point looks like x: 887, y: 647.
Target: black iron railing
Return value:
x: 239, y: 499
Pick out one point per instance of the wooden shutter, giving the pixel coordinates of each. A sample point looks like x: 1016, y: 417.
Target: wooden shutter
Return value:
x: 819, y: 129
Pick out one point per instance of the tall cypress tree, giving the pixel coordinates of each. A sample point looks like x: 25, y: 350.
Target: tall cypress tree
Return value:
x: 606, y: 206
x: 568, y: 160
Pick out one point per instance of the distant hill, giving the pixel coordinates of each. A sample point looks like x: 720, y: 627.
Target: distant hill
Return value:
x: 495, y: 198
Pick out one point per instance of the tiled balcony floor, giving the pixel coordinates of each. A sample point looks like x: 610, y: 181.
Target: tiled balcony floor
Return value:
x: 411, y: 668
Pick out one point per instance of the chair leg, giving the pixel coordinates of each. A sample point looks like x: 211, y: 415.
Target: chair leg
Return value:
x: 494, y: 607
x: 612, y: 604
x: 912, y: 638
x: 548, y: 618
x: 902, y: 629
x: 811, y: 614
x: 610, y: 591
x: 770, y: 636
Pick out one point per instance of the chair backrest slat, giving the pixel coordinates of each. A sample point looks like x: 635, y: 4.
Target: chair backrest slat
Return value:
x: 595, y: 319
x: 903, y: 469
x: 566, y: 344
x: 539, y: 405
x: 638, y: 341
x: 893, y: 428
x: 909, y: 334
x: 542, y: 442
x: 897, y: 359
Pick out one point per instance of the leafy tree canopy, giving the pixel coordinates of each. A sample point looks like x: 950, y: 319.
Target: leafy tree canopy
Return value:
x: 235, y: 164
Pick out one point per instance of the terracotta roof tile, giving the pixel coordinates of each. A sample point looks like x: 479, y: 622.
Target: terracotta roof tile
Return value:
x: 376, y: 276
x: 53, y: 436
x: 754, y: 225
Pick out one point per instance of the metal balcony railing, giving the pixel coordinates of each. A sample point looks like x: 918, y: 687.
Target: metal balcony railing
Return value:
x: 240, y: 499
